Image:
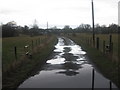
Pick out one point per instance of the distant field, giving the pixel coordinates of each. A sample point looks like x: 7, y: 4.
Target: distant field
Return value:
x: 8, y: 44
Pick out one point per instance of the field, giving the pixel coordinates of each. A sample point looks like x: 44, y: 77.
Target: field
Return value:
x: 107, y: 63
x: 14, y: 69
x: 8, y: 44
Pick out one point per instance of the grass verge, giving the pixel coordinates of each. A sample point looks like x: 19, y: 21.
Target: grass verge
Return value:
x: 105, y: 65
x: 15, y: 76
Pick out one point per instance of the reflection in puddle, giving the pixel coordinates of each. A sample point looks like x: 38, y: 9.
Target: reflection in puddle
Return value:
x: 67, y: 68
x: 68, y: 72
x: 69, y: 55
x: 67, y: 51
x: 56, y: 61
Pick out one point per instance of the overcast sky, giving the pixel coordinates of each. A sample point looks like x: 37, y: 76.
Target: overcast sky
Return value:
x: 58, y: 12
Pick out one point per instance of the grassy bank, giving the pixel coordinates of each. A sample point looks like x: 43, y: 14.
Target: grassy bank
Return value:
x: 87, y: 37
x: 8, y: 44
x: 24, y: 66
x: 106, y: 65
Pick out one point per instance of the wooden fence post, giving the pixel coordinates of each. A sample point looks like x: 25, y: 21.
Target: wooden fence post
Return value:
x: 103, y: 46
x: 93, y: 78
x: 97, y: 43
x: 15, y: 49
x: 110, y: 42
x: 111, y: 47
x: 110, y: 85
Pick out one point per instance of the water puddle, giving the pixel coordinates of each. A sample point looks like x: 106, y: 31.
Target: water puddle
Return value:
x: 68, y: 67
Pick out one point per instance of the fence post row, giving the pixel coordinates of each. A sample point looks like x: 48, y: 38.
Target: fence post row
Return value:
x: 111, y: 47
x: 15, y: 49
x: 110, y: 85
x: 110, y: 42
x: 103, y: 46
x: 93, y: 77
x: 97, y: 43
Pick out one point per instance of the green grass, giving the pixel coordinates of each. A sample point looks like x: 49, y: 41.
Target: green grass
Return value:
x: 114, y: 40
x: 40, y: 53
x: 103, y: 37
x: 106, y: 65
x: 8, y: 44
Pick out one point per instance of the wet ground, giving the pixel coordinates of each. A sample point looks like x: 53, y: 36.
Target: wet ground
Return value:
x: 68, y: 67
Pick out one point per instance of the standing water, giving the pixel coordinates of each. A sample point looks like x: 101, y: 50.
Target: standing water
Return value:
x: 68, y: 67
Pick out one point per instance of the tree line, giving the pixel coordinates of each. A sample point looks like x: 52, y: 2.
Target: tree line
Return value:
x: 11, y: 29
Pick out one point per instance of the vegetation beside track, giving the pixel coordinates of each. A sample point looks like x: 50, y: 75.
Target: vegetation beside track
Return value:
x: 23, y: 67
x: 106, y: 63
